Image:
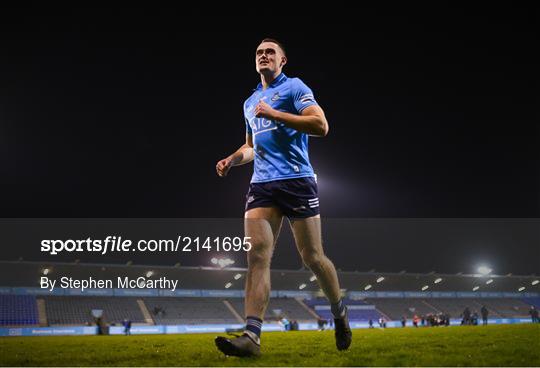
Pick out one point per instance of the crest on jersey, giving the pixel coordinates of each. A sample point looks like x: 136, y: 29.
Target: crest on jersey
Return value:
x: 275, y: 97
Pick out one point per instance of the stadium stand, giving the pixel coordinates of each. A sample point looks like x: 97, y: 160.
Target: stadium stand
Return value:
x: 76, y: 310
x: 204, y: 298
x: 532, y: 301
x: 323, y: 301
x: 359, y: 310
x: 170, y: 311
x: 26, y: 274
x: 454, y: 307
x: 18, y: 310
x: 497, y: 307
x: 277, y: 308
x: 396, y: 308
x: 506, y: 308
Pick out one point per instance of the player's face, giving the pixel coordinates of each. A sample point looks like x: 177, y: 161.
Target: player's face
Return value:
x: 269, y: 58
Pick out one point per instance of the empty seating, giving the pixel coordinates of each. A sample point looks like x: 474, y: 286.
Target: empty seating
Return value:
x: 324, y: 301
x: 76, y: 310
x: 506, y: 308
x: 277, y: 308
x: 396, y: 308
x: 498, y: 307
x: 455, y: 307
x: 18, y: 310
x: 356, y: 315
x: 358, y: 310
x: 169, y: 311
x: 532, y: 301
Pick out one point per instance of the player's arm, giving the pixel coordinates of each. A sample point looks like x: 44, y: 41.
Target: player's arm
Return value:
x: 243, y: 155
x: 311, y: 121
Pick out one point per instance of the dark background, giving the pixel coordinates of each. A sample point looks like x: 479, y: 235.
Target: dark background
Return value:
x: 124, y: 112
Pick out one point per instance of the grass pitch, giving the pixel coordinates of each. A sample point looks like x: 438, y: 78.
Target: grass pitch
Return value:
x: 503, y: 345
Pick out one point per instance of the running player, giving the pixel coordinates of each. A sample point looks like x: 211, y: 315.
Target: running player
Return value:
x: 280, y: 115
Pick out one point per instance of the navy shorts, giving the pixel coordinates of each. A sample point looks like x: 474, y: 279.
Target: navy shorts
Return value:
x: 296, y: 198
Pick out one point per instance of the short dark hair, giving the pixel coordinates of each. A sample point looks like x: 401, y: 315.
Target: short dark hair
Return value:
x: 276, y: 42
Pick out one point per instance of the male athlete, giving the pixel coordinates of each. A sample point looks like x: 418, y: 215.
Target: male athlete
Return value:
x: 280, y: 115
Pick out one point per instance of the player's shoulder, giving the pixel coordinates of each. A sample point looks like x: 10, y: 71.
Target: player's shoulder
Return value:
x: 297, y: 84
x: 295, y: 81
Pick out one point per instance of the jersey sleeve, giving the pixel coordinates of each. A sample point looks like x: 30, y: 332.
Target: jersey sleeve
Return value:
x: 248, y: 127
x: 302, y: 95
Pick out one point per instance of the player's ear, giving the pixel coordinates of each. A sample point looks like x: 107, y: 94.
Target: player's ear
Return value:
x: 283, y: 60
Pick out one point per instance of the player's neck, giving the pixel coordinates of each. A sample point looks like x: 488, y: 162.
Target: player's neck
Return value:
x: 267, y: 79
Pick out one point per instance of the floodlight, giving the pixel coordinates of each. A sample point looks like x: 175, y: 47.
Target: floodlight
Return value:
x: 484, y: 270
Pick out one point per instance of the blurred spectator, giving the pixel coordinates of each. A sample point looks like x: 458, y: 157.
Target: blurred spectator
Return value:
x: 474, y: 319
x: 127, y: 326
x: 159, y: 311
x: 484, y: 312
x: 285, y: 323
x: 534, y: 314
x: 416, y: 319
x: 100, y: 325
x: 321, y: 323
x: 466, y: 320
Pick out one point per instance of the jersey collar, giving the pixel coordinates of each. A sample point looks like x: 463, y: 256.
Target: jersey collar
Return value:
x: 279, y: 79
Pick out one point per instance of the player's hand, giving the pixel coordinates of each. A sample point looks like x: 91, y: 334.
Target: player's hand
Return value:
x: 223, y: 166
x: 263, y: 110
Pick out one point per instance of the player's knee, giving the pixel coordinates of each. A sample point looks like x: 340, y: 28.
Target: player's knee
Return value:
x: 258, y: 259
x: 259, y: 255
x: 314, y: 260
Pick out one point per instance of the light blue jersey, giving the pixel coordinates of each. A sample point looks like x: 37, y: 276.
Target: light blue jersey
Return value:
x: 280, y: 152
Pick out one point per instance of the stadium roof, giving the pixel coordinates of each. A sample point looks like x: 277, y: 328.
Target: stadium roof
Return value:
x: 27, y: 274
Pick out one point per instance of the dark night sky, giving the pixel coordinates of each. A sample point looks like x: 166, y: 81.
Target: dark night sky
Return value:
x: 124, y: 113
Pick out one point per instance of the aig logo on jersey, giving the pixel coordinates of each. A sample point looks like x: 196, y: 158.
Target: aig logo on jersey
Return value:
x: 259, y: 125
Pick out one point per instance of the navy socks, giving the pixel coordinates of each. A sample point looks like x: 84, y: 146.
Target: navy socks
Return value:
x: 338, y: 309
x: 254, y: 324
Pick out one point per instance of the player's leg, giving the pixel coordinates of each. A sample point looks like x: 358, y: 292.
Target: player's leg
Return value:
x: 262, y: 226
x: 307, y: 235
